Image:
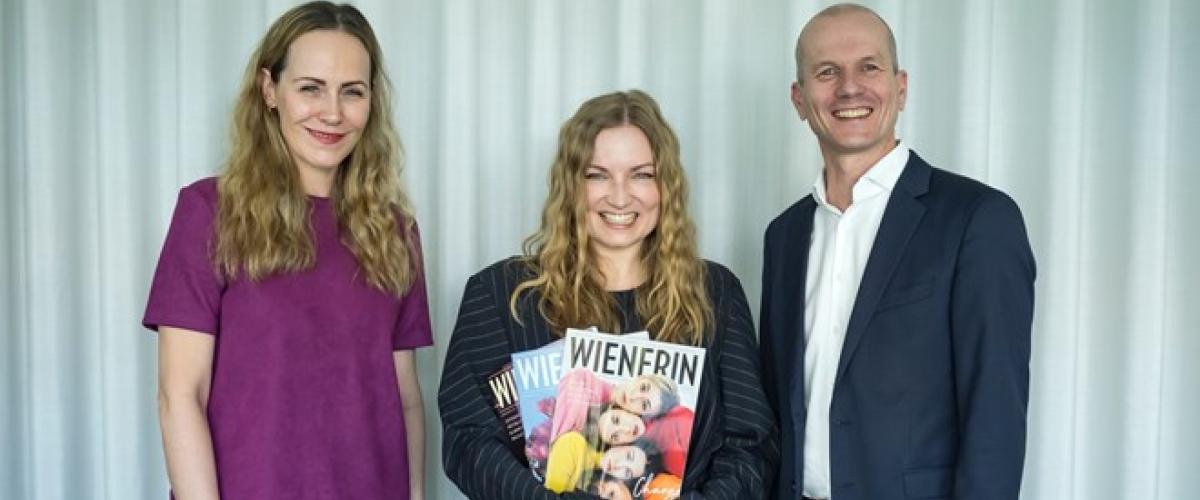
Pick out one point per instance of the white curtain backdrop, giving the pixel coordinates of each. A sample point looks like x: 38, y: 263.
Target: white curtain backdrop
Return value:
x: 1086, y: 112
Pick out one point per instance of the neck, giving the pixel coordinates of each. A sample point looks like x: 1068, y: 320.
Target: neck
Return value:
x: 843, y: 170
x: 317, y: 181
x: 623, y: 271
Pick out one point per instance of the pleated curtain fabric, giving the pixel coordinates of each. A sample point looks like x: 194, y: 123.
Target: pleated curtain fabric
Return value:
x: 1085, y: 111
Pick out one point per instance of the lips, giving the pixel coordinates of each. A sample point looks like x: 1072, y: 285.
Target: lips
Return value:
x: 616, y: 219
x: 327, y: 138
x: 852, y: 113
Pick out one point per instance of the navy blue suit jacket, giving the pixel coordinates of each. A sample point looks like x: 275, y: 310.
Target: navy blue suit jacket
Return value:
x: 932, y: 386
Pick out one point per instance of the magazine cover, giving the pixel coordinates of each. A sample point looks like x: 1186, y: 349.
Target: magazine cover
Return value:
x: 502, y: 394
x: 622, y: 417
x: 536, y: 373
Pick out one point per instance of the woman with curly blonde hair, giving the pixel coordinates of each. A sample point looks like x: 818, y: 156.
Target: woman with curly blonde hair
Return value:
x: 290, y: 295
x: 617, y: 250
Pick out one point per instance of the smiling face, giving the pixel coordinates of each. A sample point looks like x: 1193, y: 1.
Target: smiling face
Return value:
x: 849, y: 90
x: 644, y: 395
x: 622, y: 192
x: 624, y: 462
x: 612, y: 490
x: 322, y: 98
x: 618, y: 426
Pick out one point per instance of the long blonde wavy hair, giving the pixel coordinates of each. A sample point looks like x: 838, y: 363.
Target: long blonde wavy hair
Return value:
x: 673, y: 303
x: 263, y: 212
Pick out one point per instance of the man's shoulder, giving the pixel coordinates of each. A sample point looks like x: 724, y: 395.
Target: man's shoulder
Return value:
x: 792, y: 215
x: 960, y: 191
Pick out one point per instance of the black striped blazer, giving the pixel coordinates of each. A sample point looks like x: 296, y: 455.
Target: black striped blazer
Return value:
x: 733, y: 447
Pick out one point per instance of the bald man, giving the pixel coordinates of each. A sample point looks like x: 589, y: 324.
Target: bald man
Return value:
x: 897, y: 298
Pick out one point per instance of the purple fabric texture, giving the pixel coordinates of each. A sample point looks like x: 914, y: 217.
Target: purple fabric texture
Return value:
x: 304, y: 401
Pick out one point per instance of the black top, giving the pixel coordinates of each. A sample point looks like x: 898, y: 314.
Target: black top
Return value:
x: 733, y: 445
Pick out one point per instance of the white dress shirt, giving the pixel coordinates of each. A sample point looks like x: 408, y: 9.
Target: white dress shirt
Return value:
x: 837, y: 255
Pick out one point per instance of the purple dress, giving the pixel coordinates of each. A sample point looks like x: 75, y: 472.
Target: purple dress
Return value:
x: 304, y: 401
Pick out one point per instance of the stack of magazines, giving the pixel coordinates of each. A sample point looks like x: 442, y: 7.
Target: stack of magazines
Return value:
x: 607, y: 414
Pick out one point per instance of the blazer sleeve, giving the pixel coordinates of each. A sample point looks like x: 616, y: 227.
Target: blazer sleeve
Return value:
x: 474, y: 453
x: 743, y: 466
x: 766, y: 327
x: 991, y: 321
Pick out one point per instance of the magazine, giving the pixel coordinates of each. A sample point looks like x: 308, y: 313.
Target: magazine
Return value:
x: 536, y: 373
x: 622, y: 417
x: 502, y: 394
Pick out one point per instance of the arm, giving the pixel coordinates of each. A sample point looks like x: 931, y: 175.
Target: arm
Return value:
x: 991, y: 318
x: 414, y: 420
x: 473, y: 451
x: 562, y: 468
x: 184, y: 378
x: 765, y: 333
x: 743, y: 466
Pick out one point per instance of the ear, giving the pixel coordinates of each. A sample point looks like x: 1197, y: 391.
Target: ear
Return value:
x: 268, y: 87
x: 901, y: 88
x: 798, y: 100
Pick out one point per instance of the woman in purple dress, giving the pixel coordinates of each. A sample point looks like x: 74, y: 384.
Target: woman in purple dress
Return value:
x: 290, y: 294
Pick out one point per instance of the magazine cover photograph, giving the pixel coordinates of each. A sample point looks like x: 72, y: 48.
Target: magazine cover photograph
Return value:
x: 622, y: 417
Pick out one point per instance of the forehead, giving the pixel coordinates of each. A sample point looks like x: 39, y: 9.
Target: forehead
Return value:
x: 619, y: 452
x: 622, y: 146
x: 649, y: 380
x: 844, y: 36
x: 328, y: 53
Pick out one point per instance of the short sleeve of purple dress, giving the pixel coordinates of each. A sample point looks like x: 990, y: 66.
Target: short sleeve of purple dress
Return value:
x: 304, y: 401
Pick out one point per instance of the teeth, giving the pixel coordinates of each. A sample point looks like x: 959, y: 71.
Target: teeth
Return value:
x: 619, y: 219
x: 852, y: 113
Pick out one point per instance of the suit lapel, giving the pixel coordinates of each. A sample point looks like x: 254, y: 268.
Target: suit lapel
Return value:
x: 900, y: 220
x: 793, y: 280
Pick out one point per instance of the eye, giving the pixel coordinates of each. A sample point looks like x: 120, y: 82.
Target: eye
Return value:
x: 826, y: 72
x: 355, y: 92
x: 871, y: 67
x: 309, y: 89
x: 643, y: 174
x: 595, y: 175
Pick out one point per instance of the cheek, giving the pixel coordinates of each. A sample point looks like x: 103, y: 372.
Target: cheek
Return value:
x: 293, y: 108
x: 358, y: 114
x: 594, y: 193
x: 650, y: 195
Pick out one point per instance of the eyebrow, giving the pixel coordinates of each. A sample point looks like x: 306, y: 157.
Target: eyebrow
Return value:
x: 872, y: 57
x: 635, y: 167
x: 323, y: 82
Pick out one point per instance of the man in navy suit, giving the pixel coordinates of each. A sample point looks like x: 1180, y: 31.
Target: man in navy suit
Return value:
x: 897, y: 298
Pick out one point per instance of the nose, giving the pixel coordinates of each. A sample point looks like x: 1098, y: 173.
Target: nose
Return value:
x: 848, y: 85
x: 618, y: 195
x: 331, y: 109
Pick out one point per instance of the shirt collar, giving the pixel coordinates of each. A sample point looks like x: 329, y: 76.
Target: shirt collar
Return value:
x: 881, y: 177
